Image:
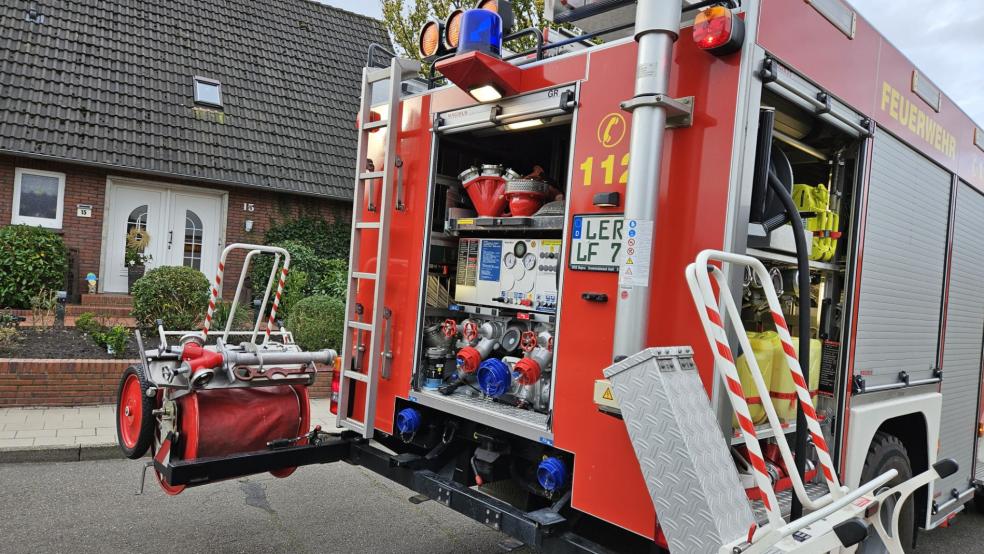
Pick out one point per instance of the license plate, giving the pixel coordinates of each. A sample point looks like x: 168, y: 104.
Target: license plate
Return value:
x: 595, y: 242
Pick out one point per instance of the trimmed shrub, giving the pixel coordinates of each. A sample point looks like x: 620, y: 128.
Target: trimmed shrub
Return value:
x: 318, y: 322
x: 328, y: 240
x: 176, y: 295
x: 31, y: 259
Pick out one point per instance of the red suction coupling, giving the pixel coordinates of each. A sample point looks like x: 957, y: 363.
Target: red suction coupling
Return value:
x: 528, y: 370
x: 488, y: 194
x: 469, y: 359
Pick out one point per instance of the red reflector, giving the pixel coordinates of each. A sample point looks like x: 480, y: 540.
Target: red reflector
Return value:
x: 718, y: 31
x: 335, y: 386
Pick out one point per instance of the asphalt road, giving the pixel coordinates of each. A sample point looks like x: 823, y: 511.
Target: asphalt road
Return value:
x: 90, y: 507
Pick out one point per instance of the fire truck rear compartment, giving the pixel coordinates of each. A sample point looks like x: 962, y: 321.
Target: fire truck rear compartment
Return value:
x: 494, y: 256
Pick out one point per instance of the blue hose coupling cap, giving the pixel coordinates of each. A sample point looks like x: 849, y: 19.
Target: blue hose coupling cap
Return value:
x: 494, y: 377
x: 408, y: 421
x: 551, y: 474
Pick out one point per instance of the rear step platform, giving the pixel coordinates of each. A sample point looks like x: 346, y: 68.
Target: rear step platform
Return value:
x: 785, y: 499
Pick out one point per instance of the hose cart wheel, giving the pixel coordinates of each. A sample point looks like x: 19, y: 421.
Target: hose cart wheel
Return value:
x: 134, y: 420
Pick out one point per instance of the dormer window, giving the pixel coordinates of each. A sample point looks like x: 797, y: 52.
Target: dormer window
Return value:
x: 208, y: 92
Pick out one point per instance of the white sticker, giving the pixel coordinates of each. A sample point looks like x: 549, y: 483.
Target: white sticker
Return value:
x: 636, y: 256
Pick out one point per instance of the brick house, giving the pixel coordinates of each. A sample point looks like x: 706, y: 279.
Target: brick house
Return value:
x: 201, y: 121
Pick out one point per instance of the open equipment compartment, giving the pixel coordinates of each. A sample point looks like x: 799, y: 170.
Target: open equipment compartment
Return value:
x: 821, y: 167
x: 494, y: 257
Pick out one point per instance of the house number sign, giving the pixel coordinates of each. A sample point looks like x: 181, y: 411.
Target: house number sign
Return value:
x: 249, y: 207
x: 84, y: 210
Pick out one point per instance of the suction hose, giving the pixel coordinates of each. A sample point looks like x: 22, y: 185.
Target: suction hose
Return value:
x: 803, y: 267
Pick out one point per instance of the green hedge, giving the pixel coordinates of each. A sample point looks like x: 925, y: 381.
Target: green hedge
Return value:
x: 176, y: 295
x: 317, y: 322
x: 328, y: 240
x: 31, y: 259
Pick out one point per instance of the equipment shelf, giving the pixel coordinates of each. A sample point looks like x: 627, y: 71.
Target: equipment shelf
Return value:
x: 791, y: 260
x: 506, y: 225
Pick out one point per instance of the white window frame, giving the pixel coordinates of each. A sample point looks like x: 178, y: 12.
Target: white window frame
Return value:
x: 17, y: 219
x: 211, y: 82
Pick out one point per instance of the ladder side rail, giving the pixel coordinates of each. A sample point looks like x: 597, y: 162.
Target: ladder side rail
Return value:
x: 792, y: 361
x: 239, y: 290
x: 281, y: 283
x: 724, y: 363
x: 347, y: 352
x: 734, y: 315
x: 382, y: 247
x: 266, y: 298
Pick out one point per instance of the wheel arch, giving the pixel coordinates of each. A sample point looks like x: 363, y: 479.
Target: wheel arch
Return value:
x: 913, y: 418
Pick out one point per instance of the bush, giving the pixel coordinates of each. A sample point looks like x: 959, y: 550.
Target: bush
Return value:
x: 114, y: 339
x: 328, y: 240
x: 242, y: 320
x: 302, y: 259
x: 31, y: 259
x: 87, y: 323
x: 318, y: 322
x: 176, y: 295
x: 334, y: 282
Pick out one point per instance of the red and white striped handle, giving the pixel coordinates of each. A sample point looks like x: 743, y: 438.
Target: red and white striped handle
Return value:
x: 213, y: 298
x: 276, y: 299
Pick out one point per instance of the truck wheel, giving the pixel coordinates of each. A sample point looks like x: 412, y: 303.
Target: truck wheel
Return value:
x: 979, y: 499
x: 887, y: 452
x: 134, y: 420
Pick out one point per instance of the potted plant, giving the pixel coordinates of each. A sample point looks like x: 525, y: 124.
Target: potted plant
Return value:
x: 134, y: 256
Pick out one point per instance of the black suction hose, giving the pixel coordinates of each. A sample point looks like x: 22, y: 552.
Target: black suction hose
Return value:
x: 803, y: 277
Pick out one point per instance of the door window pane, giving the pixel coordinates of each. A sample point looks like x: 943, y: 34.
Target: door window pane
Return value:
x: 193, y: 241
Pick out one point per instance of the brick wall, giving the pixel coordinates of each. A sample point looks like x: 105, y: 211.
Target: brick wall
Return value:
x: 85, y: 185
x: 77, y: 382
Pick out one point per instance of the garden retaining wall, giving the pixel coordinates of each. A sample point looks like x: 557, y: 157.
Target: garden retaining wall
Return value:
x: 31, y: 382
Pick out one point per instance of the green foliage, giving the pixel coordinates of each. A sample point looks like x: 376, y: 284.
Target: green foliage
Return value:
x: 43, y: 306
x: 334, y: 283
x: 9, y: 321
x: 31, y: 259
x: 114, y: 339
x: 242, y: 320
x: 8, y: 336
x: 295, y: 289
x: 317, y: 322
x: 176, y: 295
x: 302, y: 259
x: 88, y: 323
x: 328, y: 240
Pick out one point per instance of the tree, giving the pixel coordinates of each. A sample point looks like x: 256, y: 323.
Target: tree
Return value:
x: 404, y: 18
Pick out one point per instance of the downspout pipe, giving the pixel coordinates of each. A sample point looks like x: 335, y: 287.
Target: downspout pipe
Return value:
x: 657, y: 26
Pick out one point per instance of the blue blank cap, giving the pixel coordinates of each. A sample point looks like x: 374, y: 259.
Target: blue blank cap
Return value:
x: 408, y: 421
x: 551, y: 474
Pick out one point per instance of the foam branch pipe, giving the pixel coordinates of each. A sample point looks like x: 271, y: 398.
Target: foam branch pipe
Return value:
x: 803, y: 277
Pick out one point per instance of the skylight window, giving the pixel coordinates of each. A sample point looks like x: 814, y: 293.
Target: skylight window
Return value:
x: 208, y: 92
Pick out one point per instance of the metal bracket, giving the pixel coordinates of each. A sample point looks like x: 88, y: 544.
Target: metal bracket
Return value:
x: 387, y: 353
x: 493, y: 518
x: 444, y: 496
x: 400, y: 206
x: 679, y: 111
x: 858, y: 384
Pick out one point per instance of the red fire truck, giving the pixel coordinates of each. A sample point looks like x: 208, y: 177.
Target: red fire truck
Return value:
x: 533, y: 230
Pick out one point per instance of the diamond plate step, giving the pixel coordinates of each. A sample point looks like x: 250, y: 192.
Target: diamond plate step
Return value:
x: 684, y: 457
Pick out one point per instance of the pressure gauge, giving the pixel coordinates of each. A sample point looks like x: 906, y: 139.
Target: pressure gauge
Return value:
x: 529, y: 261
x: 509, y: 260
x: 519, y: 249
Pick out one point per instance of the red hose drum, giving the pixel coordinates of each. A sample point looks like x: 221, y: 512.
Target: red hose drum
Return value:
x: 221, y: 422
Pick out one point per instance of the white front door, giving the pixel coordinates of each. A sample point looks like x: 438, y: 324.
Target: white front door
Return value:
x: 185, y: 228
x: 193, y: 236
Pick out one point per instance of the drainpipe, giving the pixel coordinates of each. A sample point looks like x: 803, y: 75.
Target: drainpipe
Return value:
x: 656, y: 29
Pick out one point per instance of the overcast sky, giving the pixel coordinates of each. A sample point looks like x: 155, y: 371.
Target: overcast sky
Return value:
x: 944, y: 38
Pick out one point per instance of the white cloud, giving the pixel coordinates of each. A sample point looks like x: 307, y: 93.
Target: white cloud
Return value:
x: 943, y: 39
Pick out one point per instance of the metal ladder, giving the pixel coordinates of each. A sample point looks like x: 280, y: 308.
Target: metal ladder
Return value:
x: 353, y: 345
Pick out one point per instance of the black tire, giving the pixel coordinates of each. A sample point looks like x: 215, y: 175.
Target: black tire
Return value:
x: 135, y: 440
x: 887, y: 452
x: 979, y: 499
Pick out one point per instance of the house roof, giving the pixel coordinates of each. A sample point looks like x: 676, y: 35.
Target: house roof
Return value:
x: 111, y: 82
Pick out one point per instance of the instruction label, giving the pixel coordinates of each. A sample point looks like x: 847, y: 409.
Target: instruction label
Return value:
x: 828, y: 367
x: 491, y: 260
x: 636, y: 254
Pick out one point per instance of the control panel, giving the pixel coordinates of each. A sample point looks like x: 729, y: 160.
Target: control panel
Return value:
x: 521, y: 274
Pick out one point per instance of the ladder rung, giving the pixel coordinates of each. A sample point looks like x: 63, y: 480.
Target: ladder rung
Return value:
x: 363, y: 275
x: 367, y: 225
x: 357, y: 376
x: 371, y: 175
x: 375, y: 125
x: 360, y: 325
x: 376, y: 75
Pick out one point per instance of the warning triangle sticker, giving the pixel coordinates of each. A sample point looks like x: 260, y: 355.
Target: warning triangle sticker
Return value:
x: 607, y: 395
x: 629, y: 261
